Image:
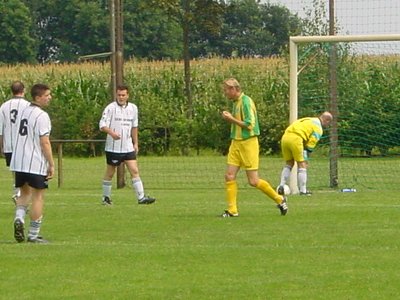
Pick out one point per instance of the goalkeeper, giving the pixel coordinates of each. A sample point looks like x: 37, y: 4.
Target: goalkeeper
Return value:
x: 297, y: 143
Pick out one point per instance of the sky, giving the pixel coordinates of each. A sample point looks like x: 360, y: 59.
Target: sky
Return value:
x: 358, y: 17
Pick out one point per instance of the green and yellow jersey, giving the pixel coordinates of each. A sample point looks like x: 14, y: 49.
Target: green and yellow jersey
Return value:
x: 244, y: 110
x: 309, y: 129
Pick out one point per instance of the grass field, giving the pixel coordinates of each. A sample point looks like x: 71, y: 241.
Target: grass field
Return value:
x: 330, y: 246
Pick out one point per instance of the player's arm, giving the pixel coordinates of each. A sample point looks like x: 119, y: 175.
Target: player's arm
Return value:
x: 112, y: 133
x: 1, y: 145
x: 231, y: 119
x: 135, y: 138
x: 104, y: 125
x: 313, y: 139
x: 311, y: 144
x: 1, y: 132
x: 135, y: 128
x: 46, y: 149
x: 248, y: 114
x: 246, y: 122
x: 307, y: 154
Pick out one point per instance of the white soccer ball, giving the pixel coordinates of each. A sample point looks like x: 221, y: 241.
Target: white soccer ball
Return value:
x: 286, y: 190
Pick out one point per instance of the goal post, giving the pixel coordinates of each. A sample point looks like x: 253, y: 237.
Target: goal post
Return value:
x: 294, y: 73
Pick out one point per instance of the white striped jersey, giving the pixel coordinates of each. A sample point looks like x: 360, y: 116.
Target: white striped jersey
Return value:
x: 28, y: 157
x: 9, y: 112
x: 121, y: 119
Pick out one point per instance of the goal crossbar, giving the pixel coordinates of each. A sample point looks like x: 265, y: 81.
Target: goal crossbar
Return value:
x: 345, y: 38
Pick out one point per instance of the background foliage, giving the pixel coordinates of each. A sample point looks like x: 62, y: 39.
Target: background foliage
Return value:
x: 64, y: 30
x: 16, y: 41
x: 368, y: 99
x: 369, y: 95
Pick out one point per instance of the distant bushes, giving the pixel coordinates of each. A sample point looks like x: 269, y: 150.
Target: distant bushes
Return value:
x: 81, y: 91
x: 368, y: 100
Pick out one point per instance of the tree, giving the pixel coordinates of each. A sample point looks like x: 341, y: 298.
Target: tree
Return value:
x: 69, y: 28
x: 191, y: 15
x: 281, y: 24
x: 316, y: 21
x: 254, y: 29
x: 154, y: 29
x: 206, y: 28
x: 16, y: 41
x: 44, y: 17
x: 90, y: 30
x: 149, y: 32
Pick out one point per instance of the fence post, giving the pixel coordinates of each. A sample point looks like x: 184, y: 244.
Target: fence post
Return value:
x: 60, y: 143
x: 60, y: 166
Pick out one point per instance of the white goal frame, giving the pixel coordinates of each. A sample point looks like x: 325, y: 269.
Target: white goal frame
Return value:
x: 294, y: 72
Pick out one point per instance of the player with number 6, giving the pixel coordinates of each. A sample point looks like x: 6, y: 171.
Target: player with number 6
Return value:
x: 33, y: 164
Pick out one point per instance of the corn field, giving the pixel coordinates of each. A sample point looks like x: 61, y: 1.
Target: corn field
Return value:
x: 81, y: 91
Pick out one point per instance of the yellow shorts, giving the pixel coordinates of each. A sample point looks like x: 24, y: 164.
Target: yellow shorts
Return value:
x: 292, y: 147
x: 244, y: 153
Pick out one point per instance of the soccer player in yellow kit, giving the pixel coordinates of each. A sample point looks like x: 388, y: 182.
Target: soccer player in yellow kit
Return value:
x: 297, y: 143
x: 244, y: 149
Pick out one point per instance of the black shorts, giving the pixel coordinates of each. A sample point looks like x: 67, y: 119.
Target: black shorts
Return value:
x: 33, y: 180
x: 115, y: 159
x: 8, y: 158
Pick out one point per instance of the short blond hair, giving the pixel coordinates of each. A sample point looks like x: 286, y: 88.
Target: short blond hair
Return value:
x: 232, y: 82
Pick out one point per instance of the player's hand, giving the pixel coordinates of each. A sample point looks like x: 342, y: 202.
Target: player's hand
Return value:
x: 306, y: 155
x: 115, y: 135
x: 226, y: 115
x: 50, y: 172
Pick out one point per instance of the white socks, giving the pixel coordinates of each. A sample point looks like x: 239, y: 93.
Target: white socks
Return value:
x: 285, y: 175
x: 20, y: 212
x: 107, y: 188
x: 138, y: 186
x: 302, y: 180
x: 136, y: 183
x: 34, y: 229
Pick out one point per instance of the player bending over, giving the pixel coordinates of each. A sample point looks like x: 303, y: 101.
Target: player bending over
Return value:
x: 297, y: 143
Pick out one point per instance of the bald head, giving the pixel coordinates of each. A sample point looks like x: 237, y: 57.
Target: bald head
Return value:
x: 326, y: 118
x: 17, y: 88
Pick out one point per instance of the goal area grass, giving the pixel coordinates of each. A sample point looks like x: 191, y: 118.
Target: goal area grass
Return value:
x: 331, y: 245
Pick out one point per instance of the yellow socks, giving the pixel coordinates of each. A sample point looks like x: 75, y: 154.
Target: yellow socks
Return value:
x: 267, y: 189
x: 231, y: 194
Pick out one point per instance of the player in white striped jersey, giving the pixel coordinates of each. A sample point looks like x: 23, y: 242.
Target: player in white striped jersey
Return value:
x: 120, y: 122
x: 33, y: 164
x: 9, y: 112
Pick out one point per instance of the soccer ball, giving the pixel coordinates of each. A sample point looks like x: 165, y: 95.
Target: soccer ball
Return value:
x: 286, y: 190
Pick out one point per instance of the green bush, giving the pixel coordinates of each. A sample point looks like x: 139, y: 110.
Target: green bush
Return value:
x: 369, y: 95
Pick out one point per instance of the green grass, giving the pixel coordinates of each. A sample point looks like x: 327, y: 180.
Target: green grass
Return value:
x: 330, y: 246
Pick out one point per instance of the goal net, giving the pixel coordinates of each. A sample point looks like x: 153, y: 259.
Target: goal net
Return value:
x: 357, y: 78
